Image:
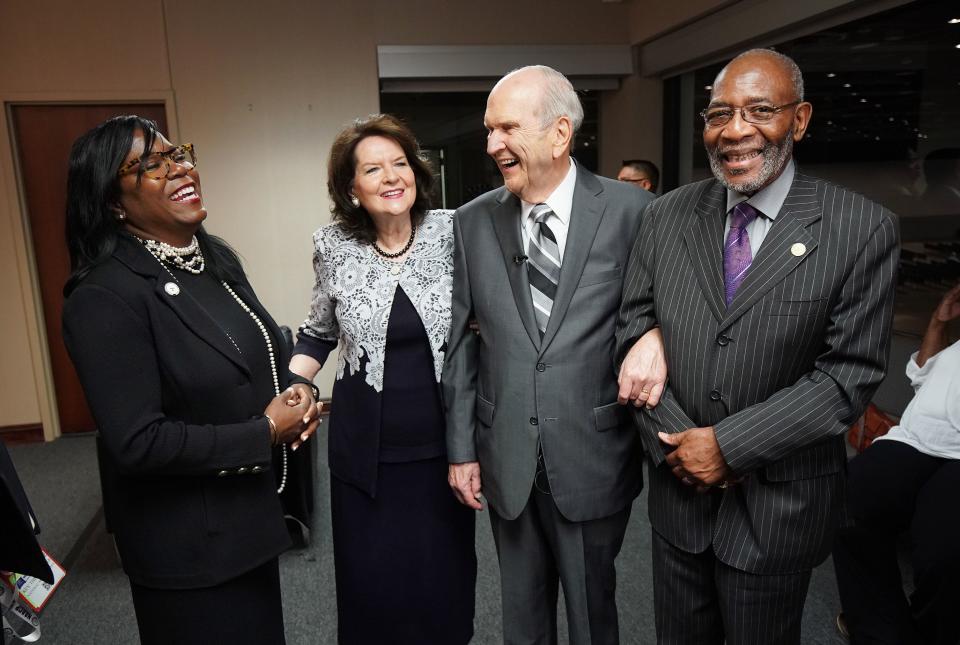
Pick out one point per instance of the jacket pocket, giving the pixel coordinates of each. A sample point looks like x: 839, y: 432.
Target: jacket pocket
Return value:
x: 610, y: 416
x: 798, y: 307
x: 485, y: 411
x: 598, y: 277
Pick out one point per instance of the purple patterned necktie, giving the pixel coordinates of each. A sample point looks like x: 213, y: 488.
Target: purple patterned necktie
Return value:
x: 737, y: 255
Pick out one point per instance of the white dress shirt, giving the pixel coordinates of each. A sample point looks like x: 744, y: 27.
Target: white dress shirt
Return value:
x: 560, y: 202
x: 931, y: 422
x: 769, y: 200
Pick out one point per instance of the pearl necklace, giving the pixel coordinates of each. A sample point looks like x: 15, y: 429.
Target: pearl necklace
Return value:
x: 391, y: 256
x: 266, y: 338
x: 273, y: 368
x: 189, y: 257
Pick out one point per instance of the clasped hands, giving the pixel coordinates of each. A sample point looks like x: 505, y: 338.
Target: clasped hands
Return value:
x: 696, y: 459
x: 295, y: 414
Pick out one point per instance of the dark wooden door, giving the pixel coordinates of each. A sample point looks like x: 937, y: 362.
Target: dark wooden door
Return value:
x: 44, y: 135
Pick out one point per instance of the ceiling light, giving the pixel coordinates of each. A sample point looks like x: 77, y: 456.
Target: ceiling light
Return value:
x: 953, y: 21
x: 708, y: 87
x: 831, y: 75
x: 847, y: 85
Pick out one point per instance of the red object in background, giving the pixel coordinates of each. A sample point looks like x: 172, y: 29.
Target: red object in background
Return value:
x: 871, y: 425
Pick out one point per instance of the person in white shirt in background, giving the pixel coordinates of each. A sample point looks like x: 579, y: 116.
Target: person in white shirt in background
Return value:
x: 908, y: 481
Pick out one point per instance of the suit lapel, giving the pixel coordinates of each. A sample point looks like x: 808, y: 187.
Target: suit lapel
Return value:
x: 704, y: 240
x: 182, y: 303
x: 506, y: 223
x: 780, y: 253
x: 585, y: 215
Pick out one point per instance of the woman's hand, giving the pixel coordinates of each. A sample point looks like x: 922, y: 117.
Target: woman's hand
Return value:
x: 310, y: 421
x: 949, y: 307
x: 295, y: 415
x: 935, y: 339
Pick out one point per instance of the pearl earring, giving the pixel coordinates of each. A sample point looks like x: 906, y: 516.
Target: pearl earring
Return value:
x: 354, y: 201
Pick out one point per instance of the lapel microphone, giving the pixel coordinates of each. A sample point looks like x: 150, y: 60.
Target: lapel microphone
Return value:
x: 519, y: 259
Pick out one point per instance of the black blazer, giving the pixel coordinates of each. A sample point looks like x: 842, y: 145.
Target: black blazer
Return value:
x: 192, y: 497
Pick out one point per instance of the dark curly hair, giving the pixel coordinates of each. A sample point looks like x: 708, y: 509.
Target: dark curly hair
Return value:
x: 341, y: 170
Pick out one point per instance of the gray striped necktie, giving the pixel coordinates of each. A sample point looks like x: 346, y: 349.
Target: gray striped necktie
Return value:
x: 543, y: 266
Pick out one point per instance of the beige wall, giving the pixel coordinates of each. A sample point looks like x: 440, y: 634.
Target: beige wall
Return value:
x: 261, y: 90
x: 630, y: 121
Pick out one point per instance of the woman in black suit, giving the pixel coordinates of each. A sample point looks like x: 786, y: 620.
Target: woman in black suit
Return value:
x: 185, y: 375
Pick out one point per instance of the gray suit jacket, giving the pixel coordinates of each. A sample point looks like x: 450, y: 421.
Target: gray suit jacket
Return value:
x: 506, y: 388
x: 780, y: 374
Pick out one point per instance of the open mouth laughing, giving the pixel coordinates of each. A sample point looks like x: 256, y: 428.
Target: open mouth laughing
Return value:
x: 187, y: 194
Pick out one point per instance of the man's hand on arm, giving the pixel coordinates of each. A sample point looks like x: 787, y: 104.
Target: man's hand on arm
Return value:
x: 464, y: 479
x: 643, y: 372
x: 696, y: 459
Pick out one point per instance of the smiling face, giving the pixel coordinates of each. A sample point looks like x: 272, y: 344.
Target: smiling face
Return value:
x: 169, y: 209
x: 532, y: 159
x: 383, y: 179
x: 746, y: 157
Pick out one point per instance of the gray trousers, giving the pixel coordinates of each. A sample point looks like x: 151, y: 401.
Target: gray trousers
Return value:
x: 541, y: 549
x: 699, y: 600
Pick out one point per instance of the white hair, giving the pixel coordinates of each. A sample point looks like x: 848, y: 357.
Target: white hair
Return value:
x: 559, y: 97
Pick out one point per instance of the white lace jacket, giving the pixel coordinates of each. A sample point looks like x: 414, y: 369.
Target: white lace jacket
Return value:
x: 354, y: 290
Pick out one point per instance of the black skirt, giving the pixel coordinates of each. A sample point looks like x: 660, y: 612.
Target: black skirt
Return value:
x: 246, y: 610
x: 405, y: 563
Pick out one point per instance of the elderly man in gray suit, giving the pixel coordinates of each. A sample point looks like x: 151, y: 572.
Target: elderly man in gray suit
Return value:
x: 773, y: 291
x: 532, y: 413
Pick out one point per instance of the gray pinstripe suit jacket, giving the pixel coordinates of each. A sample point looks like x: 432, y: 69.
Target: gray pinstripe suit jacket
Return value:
x: 780, y: 374
x: 507, y: 388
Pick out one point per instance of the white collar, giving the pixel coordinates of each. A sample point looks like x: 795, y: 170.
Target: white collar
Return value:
x: 560, y: 200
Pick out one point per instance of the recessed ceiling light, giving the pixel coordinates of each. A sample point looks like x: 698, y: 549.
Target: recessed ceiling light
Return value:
x: 708, y: 87
x: 831, y: 75
x: 953, y: 21
x: 847, y: 85
x: 863, y: 100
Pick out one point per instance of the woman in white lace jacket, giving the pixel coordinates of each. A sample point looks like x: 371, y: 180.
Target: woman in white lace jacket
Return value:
x: 403, y: 547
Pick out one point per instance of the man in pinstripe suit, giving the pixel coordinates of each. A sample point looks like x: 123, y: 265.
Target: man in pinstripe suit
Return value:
x: 773, y: 291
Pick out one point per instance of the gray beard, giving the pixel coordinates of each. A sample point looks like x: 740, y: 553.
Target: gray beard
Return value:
x: 775, y: 158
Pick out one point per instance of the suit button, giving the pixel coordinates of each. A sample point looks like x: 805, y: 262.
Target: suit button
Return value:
x: 715, y: 396
x: 533, y: 421
x: 256, y: 469
x: 723, y: 340
x: 223, y: 473
x: 242, y: 470
x: 541, y: 367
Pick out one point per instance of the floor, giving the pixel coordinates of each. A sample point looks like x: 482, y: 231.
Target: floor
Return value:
x: 92, y: 606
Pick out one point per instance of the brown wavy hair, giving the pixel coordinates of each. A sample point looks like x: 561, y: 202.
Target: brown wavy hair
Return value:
x: 341, y: 170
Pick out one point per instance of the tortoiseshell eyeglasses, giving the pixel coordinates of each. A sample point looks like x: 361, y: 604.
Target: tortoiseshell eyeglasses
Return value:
x: 157, y: 165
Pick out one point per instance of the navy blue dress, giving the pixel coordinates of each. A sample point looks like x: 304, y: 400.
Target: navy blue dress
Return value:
x: 405, y: 562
